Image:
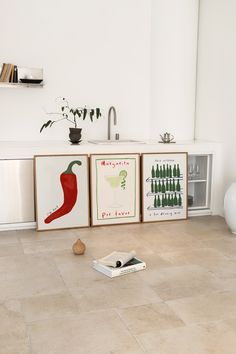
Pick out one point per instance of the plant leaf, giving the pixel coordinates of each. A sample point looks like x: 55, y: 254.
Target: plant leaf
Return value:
x: 91, y: 114
x: 98, y: 113
x: 45, y: 125
x: 85, y: 113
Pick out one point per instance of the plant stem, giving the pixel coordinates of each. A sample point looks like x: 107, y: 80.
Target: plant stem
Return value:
x: 75, y: 121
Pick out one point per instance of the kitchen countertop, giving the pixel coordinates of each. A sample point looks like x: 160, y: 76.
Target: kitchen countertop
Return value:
x: 28, y: 149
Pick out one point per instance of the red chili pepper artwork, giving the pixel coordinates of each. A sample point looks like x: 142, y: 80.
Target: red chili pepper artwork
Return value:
x: 70, y: 191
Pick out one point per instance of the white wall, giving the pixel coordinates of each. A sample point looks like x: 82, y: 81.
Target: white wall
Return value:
x: 93, y: 52
x: 138, y: 55
x: 173, y: 67
x: 216, y: 98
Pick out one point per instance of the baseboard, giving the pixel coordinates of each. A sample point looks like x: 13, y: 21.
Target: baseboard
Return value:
x: 18, y: 226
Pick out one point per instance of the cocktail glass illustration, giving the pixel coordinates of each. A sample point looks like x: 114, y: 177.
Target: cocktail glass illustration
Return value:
x: 116, y: 182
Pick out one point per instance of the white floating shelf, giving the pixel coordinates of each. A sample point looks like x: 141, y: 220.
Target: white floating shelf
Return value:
x: 18, y: 85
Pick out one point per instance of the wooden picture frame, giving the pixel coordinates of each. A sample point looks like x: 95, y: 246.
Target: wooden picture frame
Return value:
x: 115, y: 188
x: 164, y: 186
x: 62, y: 191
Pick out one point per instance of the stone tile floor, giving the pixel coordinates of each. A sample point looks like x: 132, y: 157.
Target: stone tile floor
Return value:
x: 53, y: 302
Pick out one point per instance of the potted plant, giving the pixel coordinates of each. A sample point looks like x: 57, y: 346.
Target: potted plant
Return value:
x: 72, y: 114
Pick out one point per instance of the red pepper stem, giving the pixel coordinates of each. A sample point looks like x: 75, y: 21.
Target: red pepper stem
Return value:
x: 71, y: 164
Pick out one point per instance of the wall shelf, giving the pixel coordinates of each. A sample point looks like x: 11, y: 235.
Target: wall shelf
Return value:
x: 11, y: 76
x: 18, y: 85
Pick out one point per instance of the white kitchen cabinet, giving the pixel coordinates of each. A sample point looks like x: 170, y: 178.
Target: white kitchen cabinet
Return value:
x: 16, y: 191
x: 17, y: 204
x: 199, y: 183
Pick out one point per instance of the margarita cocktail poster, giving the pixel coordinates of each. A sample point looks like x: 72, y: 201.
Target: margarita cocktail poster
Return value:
x: 115, y: 188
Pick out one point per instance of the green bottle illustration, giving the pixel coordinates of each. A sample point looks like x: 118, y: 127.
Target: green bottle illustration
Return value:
x: 152, y: 187
x: 163, y: 189
x: 178, y: 171
x: 157, y: 171
x: 170, y: 172
x: 172, y: 200
x: 180, y: 200
x: 168, y: 200
x: 156, y: 188
x: 173, y: 185
x: 164, y: 171
x: 163, y: 201
x: 167, y: 170
x: 153, y: 174
x: 160, y: 172
x: 159, y: 186
x: 167, y: 184
x: 178, y: 186
x: 174, y: 171
x: 170, y: 186
x: 155, y: 202
x: 158, y: 201
x: 175, y: 199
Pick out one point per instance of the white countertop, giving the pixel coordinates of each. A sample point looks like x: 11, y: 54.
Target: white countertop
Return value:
x: 28, y: 149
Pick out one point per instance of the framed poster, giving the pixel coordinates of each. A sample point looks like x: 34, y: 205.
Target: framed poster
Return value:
x: 164, y: 186
x: 115, y: 183
x: 62, y: 191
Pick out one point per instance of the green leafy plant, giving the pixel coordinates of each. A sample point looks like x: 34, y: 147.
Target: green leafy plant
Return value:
x: 72, y: 114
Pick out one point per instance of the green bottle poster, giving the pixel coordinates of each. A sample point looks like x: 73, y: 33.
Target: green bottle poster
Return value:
x: 169, y: 186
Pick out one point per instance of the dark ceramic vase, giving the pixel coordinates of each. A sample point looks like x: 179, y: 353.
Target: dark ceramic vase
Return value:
x: 75, y: 135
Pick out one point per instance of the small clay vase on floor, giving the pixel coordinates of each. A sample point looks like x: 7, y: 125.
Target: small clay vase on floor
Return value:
x: 78, y: 247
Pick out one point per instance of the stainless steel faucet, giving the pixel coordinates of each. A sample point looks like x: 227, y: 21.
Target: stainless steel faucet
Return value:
x: 111, y: 109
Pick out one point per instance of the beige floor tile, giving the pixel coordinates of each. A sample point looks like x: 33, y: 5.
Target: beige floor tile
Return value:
x: 231, y: 322
x: 10, y: 249
x: 70, y: 308
x: 48, y: 246
x: 224, y: 268
x: 78, y: 271
x: 118, y: 292
x: 205, y: 257
x: 33, y: 235
x: 170, y: 241
x: 49, y: 306
x: 151, y: 317
x: 8, y: 237
x: 13, y: 332
x: 212, y: 338
x: 214, y: 222
x: 96, y: 332
x: 181, y: 281
x: 217, y: 306
x: 26, y: 276
x: 226, y: 245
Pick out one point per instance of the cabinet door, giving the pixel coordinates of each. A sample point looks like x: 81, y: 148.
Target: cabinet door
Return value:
x: 199, y: 181
x: 16, y: 191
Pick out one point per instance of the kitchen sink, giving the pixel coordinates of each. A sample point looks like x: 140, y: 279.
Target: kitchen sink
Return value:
x: 116, y: 142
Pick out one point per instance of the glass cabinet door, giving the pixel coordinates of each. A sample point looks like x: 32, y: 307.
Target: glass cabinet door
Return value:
x: 199, y: 177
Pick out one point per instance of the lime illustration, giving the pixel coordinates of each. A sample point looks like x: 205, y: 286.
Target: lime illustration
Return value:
x: 123, y: 175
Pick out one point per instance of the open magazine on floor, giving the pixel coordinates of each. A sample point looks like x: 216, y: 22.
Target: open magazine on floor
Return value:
x: 119, y: 263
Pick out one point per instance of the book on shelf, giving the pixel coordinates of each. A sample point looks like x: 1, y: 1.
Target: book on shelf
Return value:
x: 2, y: 72
x: 119, y: 263
x: 9, y: 73
x: 14, y: 74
